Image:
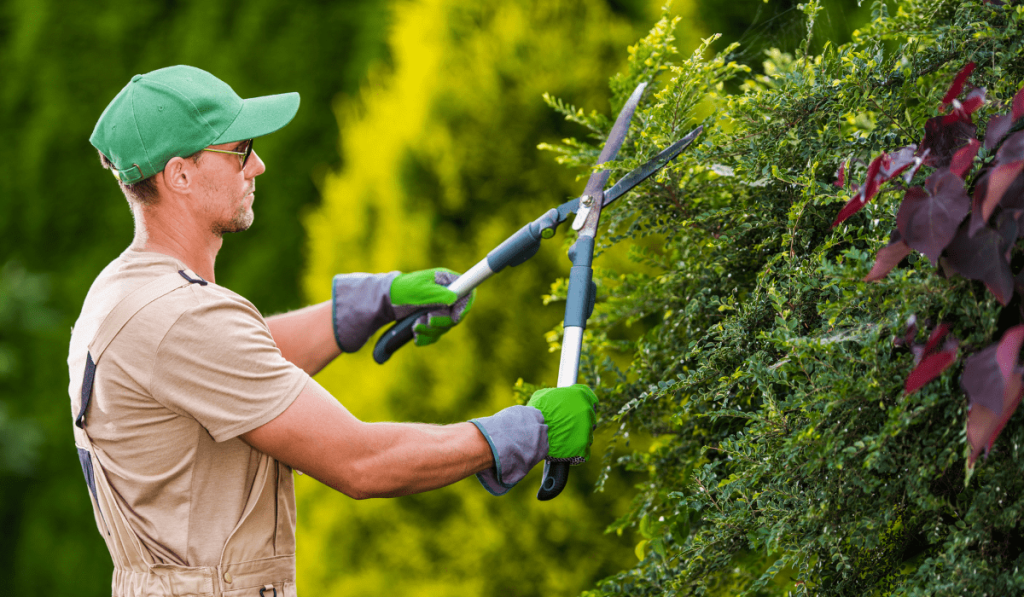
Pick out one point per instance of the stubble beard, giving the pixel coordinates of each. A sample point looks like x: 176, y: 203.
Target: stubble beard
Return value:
x: 240, y: 222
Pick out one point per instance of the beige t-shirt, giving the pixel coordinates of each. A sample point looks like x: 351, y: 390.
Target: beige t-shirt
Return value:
x: 183, y: 379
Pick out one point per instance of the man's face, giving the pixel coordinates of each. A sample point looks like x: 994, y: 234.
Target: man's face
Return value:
x: 226, y: 189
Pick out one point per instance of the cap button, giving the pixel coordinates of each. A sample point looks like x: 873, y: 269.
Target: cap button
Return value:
x: 136, y: 78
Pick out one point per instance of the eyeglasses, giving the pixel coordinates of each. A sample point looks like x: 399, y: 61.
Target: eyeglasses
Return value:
x: 243, y: 156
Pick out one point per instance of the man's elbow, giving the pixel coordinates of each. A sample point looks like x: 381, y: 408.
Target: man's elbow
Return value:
x: 356, y: 481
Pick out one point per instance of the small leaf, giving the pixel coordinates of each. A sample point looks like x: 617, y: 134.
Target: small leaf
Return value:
x: 889, y: 257
x: 639, y: 550
x: 928, y: 219
x: 963, y: 158
x: 958, y: 83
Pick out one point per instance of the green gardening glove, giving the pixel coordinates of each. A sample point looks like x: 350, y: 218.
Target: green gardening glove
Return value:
x: 570, y: 416
x: 428, y: 289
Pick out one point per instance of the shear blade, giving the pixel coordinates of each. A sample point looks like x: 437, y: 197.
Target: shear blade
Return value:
x: 615, y: 139
x: 627, y: 182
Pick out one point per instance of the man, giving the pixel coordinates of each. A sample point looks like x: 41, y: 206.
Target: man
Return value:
x: 191, y: 411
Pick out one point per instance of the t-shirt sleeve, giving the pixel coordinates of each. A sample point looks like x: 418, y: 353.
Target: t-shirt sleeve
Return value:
x: 219, y: 365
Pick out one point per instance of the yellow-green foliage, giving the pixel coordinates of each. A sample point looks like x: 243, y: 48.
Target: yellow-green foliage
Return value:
x: 440, y: 165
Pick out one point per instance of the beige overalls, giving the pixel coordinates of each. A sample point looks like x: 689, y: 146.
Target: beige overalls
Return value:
x: 136, y: 571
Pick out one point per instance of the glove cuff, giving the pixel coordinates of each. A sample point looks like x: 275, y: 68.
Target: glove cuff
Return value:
x: 360, y: 306
x: 519, y: 440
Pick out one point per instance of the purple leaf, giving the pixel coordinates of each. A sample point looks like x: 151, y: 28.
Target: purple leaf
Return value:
x: 898, y: 161
x: 982, y: 257
x: 958, y: 83
x: 998, y: 126
x: 1008, y: 350
x: 984, y: 426
x: 889, y: 257
x: 1018, y: 105
x: 999, y: 180
x: 933, y: 341
x: 980, y: 190
x: 983, y: 381
x: 992, y: 380
x: 928, y: 219
x: 962, y: 110
x: 869, y: 190
x: 931, y: 367
x: 908, y: 175
x: 943, y: 139
x: 1006, y: 224
x: 929, y: 360
x: 841, y: 174
x: 852, y: 206
x: 974, y: 100
x: 911, y: 332
x: 1012, y: 149
x: 872, y: 181
x: 963, y: 158
x: 1013, y: 197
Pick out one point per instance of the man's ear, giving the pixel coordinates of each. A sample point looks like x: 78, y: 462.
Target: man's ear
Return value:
x: 179, y: 175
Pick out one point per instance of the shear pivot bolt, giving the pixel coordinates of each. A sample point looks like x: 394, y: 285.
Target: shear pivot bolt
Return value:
x: 586, y: 201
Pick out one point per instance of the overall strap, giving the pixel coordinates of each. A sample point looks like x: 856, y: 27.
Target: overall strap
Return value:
x: 120, y: 315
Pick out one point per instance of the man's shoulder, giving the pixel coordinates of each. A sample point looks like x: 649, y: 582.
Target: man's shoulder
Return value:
x: 202, y: 304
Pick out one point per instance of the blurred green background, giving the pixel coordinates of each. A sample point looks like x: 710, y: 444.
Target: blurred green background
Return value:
x: 415, y: 146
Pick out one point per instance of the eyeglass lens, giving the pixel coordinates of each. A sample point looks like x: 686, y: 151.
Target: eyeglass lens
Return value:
x: 248, y: 152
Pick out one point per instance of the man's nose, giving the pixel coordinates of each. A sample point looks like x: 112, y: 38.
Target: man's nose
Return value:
x: 255, y: 166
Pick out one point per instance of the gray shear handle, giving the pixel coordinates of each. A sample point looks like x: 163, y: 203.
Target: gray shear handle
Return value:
x: 396, y: 337
x: 556, y: 475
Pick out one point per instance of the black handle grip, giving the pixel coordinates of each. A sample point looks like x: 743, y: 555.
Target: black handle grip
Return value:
x: 395, y: 338
x: 556, y: 475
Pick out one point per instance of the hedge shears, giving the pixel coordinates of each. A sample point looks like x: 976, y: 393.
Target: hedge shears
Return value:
x: 525, y: 243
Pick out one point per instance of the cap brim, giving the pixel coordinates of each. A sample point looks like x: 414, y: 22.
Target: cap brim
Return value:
x: 261, y: 116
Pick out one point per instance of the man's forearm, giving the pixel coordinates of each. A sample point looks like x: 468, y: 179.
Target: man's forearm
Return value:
x: 306, y: 337
x: 407, y: 458
x: 317, y: 435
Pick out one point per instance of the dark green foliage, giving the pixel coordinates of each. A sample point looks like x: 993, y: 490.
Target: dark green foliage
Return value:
x: 62, y: 214
x: 785, y: 456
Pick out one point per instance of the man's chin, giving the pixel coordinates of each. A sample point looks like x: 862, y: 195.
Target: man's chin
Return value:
x: 239, y: 224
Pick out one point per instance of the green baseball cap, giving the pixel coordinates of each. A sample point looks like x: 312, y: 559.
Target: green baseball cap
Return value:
x: 177, y: 111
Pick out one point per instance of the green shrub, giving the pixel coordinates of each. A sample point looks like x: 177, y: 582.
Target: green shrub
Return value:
x: 787, y: 457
